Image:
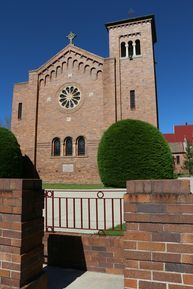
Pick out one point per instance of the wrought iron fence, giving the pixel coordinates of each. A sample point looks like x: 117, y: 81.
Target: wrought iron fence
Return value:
x: 95, y: 211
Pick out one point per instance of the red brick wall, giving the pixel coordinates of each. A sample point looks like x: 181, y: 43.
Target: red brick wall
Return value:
x: 104, y: 254
x: 21, y: 232
x: 158, y: 244
x: 95, y: 253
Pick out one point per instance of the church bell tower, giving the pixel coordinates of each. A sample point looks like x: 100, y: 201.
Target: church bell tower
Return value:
x: 131, y: 44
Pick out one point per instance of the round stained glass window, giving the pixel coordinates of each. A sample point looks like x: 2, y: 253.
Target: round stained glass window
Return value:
x: 69, y: 97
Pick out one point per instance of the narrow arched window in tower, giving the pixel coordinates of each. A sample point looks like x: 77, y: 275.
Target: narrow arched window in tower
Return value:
x: 80, y: 142
x: 132, y: 99
x: 138, y: 47
x: 56, y: 147
x: 19, y: 114
x: 123, y: 49
x: 68, y: 146
x: 130, y: 48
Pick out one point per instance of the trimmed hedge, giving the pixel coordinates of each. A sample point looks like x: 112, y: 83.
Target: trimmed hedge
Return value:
x: 133, y: 150
x: 10, y: 155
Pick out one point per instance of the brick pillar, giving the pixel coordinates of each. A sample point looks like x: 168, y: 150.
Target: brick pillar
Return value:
x: 158, y: 242
x: 21, y: 232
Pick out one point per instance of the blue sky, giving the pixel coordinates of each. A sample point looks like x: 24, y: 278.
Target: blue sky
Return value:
x: 33, y: 31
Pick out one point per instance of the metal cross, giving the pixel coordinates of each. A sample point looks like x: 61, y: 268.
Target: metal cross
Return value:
x: 71, y: 37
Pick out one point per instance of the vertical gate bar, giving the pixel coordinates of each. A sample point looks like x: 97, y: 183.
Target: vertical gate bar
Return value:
x: 66, y: 212
x: 121, y: 215
x: 105, y: 217
x: 113, y: 221
x: 53, y: 211
x: 81, y: 213
x: 46, y: 209
x: 74, y: 216
x: 89, y: 213
x: 97, y: 223
x: 60, y: 212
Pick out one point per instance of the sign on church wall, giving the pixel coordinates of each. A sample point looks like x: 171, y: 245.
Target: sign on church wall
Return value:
x: 68, y: 168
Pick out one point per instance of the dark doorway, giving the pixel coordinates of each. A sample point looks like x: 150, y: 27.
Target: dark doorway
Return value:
x: 66, y: 251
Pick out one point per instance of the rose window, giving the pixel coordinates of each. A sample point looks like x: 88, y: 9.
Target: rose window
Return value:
x: 69, y: 98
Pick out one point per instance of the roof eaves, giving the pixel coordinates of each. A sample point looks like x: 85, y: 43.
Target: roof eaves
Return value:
x: 136, y: 19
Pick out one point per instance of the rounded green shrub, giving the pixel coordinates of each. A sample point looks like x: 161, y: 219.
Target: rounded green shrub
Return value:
x: 29, y: 170
x: 10, y: 155
x: 133, y: 150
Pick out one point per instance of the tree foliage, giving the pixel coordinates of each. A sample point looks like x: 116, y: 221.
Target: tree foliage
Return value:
x: 10, y: 155
x: 188, y: 161
x: 133, y: 150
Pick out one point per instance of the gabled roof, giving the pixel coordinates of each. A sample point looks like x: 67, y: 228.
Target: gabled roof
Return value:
x: 67, y: 50
x: 181, y: 132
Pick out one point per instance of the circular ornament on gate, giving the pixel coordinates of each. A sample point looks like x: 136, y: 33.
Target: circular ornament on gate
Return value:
x: 69, y: 97
x: 100, y: 194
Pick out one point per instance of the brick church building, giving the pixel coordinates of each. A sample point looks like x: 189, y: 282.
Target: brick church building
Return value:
x: 61, y: 112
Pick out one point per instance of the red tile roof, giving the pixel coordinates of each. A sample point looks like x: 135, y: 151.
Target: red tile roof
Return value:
x: 181, y: 132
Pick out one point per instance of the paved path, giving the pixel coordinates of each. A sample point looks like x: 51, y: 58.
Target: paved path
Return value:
x: 59, y: 278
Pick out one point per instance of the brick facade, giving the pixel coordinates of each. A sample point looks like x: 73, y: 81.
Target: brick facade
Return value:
x: 159, y: 238
x: 85, y: 252
x: 104, y: 84
x: 21, y: 232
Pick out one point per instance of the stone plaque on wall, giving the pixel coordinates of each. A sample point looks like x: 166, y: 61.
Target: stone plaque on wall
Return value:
x: 68, y: 168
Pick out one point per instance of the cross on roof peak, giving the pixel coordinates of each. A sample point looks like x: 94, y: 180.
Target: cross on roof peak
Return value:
x: 71, y: 37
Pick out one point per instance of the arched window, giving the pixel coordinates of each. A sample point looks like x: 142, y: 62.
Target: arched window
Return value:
x: 19, y: 113
x: 56, y: 147
x: 138, y: 47
x: 80, y: 142
x: 68, y: 149
x: 132, y: 99
x: 130, y: 48
x: 123, y: 49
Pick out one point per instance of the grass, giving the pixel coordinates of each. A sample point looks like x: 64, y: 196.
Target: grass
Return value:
x: 117, y: 231
x: 72, y: 186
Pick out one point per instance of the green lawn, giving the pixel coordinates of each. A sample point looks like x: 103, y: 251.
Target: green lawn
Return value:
x: 72, y: 186
x: 118, y: 231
